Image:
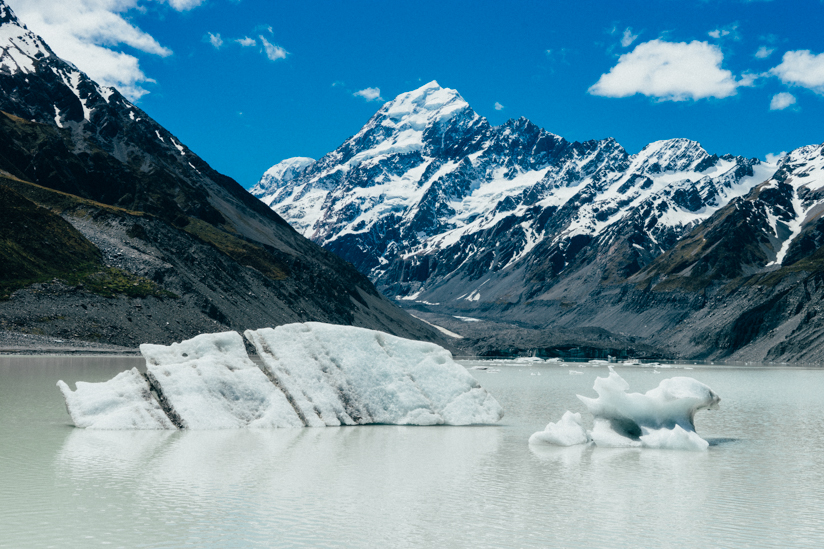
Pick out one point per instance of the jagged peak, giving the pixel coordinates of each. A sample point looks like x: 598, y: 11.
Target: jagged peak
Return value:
x: 281, y: 173
x: 19, y: 47
x: 420, y: 107
x: 520, y: 122
x: 287, y: 165
x: 674, y: 145
x: 8, y: 16
x: 671, y: 155
x: 803, y: 154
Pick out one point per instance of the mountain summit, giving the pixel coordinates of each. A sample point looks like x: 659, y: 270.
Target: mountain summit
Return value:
x: 433, y: 203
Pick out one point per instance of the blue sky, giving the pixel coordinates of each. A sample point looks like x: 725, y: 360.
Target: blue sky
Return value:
x: 247, y: 83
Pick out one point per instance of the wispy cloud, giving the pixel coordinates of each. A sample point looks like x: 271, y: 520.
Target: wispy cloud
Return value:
x: 670, y: 71
x: 802, y: 68
x: 498, y: 106
x: 85, y: 31
x: 764, y: 52
x: 781, y: 101
x: 774, y: 158
x: 215, y: 40
x: 370, y: 94
x: 628, y: 38
x: 246, y: 41
x: 273, y: 52
x: 184, y: 5
x: 730, y: 32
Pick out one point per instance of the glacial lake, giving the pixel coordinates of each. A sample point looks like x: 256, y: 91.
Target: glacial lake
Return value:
x: 760, y: 484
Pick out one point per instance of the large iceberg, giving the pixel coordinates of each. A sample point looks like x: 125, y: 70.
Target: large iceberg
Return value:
x: 311, y: 375
x: 209, y: 382
x: 663, y: 417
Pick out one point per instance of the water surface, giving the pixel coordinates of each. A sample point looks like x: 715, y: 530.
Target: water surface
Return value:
x: 761, y: 484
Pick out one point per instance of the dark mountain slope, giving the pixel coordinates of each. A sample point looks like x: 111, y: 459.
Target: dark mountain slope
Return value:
x: 214, y: 256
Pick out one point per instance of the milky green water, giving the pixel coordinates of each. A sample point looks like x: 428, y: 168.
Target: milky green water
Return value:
x: 761, y: 484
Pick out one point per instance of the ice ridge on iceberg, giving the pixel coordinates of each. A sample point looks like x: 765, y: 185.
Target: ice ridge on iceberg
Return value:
x: 663, y: 417
x: 312, y: 375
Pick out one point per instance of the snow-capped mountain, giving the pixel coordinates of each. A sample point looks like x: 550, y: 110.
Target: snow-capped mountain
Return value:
x: 279, y: 175
x: 777, y: 224
x: 437, y: 205
x: 102, y: 202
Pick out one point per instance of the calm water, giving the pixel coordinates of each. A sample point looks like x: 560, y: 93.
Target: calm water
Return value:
x: 760, y: 485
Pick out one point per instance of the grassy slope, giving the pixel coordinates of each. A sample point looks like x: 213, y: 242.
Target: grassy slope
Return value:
x: 37, y: 245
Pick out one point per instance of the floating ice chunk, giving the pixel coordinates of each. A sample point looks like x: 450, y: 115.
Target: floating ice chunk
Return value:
x: 337, y: 375
x: 674, y: 402
x: 569, y: 431
x: 661, y: 418
x: 209, y: 382
x: 602, y: 434
x: 123, y: 402
x: 313, y: 375
x: 674, y: 439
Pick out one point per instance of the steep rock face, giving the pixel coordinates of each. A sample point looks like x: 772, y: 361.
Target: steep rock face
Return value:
x: 436, y: 205
x: 158, y: 214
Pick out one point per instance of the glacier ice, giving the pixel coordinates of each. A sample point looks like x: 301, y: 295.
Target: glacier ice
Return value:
x: 569, y: 431
x: 209, y: 382
x: 312, y: 374
x: 344, y: 375
x: 663, y: 417
x: 123, y: 402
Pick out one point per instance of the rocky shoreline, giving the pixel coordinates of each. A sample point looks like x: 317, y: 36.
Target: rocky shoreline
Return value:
x: 18, y: 343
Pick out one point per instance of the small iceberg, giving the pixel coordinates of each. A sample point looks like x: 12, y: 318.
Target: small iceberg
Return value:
x: 569, y: 431
x: 312, y: 375
x: 661, y: 418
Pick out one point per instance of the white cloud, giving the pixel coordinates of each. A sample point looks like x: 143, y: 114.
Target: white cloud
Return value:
x: 246, y: 41
x: 370, y: 94
x: 781, y: 101
x: 730, y: 31
x: 84, y: 31
x: 774, y: 158
x: 669, y: 71
x: 215, y: 40
x: 802, y: 68
x: 184, y: 5
x: 273, y: 52
x: 498, y: 106
x: 764, y: 52
x: 628, y: 37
